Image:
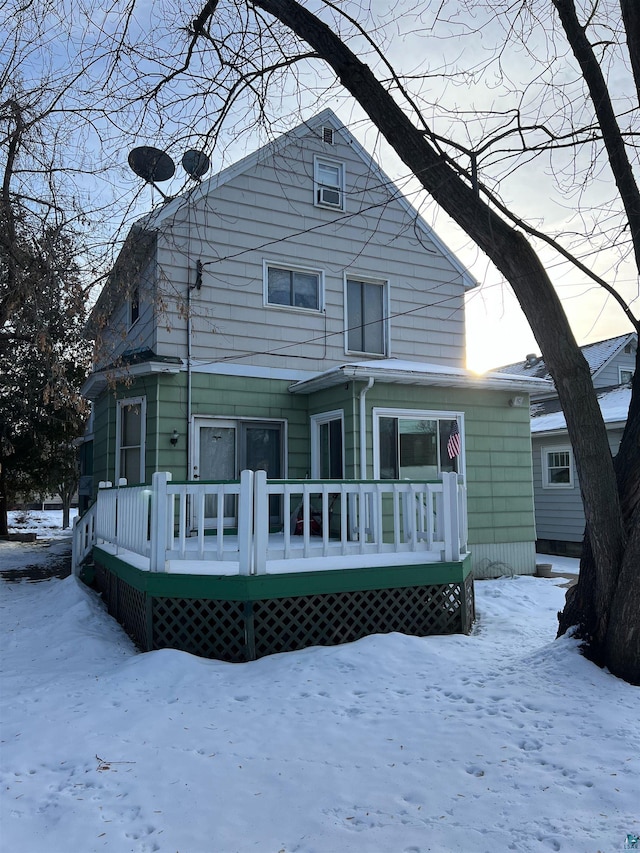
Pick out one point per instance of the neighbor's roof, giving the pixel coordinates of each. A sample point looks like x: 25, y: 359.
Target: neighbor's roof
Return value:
x: 614, y: 405
x: 597, y: 355
x: 398, y: 371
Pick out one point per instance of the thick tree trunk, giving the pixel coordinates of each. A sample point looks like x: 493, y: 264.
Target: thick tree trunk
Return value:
x: 515, y: 258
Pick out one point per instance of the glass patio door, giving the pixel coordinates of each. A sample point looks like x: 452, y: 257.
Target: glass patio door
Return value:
x: 223, y: 448
x: 215, y: 459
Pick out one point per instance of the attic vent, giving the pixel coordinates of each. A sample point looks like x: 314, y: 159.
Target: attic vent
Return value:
x: 327, y: 135
x: 531, y: 359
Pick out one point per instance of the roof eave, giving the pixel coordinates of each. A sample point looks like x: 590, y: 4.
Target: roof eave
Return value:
x: 98, y: 381
x: 461, y: 379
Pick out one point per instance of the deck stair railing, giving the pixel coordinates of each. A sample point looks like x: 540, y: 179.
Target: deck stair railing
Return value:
x: 234, y: 522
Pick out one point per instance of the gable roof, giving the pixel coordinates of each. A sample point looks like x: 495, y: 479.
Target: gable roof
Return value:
x: 598, y: 355
x: 614, y: 405
x: 326, y: 118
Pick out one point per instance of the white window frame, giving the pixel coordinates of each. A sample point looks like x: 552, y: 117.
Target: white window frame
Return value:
x: 287, y: 267
x: 422, y: 415
x: 120, y: 404
x: 318, y: 185
x: 134, y: 298
x: 316, y: 422
x: 544, y: 459
x: 622, y: 370
x: 386, y: 299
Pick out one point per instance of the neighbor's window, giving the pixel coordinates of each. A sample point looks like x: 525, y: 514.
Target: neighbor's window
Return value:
x: 416, y: 446
x: 130, y: 433
x: 328, y: 181
x: 626, y: 375
x: 366, y: 316
x: 295, y: 288
x: 557, y: 468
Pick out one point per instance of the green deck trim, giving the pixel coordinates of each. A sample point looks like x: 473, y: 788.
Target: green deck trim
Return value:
x: 260, y: 587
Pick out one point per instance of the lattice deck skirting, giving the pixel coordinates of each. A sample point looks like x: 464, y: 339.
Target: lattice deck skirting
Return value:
x: 242, y: 630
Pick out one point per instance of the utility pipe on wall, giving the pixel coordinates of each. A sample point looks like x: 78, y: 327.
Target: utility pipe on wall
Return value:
x: 363, y: 429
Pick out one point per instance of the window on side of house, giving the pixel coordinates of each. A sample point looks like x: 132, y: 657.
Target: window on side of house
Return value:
x: 130, y: 439
x: 328, y: 183
x: 557, y: 468
x: 293, y: 287
x: 366, y: 316
x: 625, y: 375
x: 327, y: 446
x: 416, y: 445
x: 134, y: 306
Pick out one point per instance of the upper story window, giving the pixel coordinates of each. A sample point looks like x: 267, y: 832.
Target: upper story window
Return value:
x: 293, y: 287
x: 367, y: 316
x: 557, y: 468
x: 625, y: 375
x: 328, y: 180
x: 134, y: 306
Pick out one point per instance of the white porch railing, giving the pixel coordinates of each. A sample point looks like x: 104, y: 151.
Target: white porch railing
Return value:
x: 169, y: 523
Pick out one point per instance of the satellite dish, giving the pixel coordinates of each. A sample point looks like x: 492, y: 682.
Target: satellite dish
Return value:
x: 151, y: 164
x: 195, y: 163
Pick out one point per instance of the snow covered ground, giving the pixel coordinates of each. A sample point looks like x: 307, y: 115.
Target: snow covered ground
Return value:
x: 504, y: 740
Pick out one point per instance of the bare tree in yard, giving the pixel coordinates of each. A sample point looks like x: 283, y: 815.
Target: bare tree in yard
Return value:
x: 232, y: 52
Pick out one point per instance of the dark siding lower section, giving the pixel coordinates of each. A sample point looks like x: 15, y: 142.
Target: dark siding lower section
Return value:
x: 237, y: 631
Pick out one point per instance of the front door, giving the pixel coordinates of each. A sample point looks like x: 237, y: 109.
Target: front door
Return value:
x: 223, y: 448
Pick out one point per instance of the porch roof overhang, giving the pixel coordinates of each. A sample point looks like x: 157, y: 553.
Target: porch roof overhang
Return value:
x: 98, y: 381
x: 398, y: 372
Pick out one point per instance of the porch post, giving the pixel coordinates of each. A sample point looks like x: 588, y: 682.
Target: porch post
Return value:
x: 245, y: 522
x: 260, y: 522
x: 159, y: 521
x: 451, y: 516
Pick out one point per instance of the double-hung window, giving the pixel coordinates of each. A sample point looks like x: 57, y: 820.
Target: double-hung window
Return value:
x: 328, y: 181
x: 413, y: 445
x: 557, y: 468
x: 293, y: 287
x: 327, y: 446
x: 366, y: 316
x: 130, y: 435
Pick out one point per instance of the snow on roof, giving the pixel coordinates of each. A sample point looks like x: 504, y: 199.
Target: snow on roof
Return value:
x: 596, y: 354
x: 400, y: 371
x: 614, y: 405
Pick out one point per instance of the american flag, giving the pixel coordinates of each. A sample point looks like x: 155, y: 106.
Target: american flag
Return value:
x: 453, y: 445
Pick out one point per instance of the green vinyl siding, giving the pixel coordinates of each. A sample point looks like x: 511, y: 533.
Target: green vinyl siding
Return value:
x: 497, y: 440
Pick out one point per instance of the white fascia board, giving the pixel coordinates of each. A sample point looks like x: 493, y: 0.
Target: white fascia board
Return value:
x: 418, y: 374
x: 631, y: 337
x: 97, y: 382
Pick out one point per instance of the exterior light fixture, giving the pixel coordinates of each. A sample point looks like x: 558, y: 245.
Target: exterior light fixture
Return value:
x: 175, y: 435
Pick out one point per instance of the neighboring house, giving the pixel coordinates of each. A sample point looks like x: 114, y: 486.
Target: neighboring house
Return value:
x: 294, y: 314
x: 559, y: 513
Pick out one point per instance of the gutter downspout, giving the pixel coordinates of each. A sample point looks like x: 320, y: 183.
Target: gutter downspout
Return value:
x: 363, y: 429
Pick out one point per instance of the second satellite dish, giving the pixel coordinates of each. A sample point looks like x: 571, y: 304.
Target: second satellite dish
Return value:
x: 151, y: 164
x: 195, y: 163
